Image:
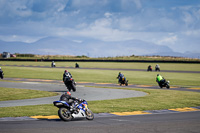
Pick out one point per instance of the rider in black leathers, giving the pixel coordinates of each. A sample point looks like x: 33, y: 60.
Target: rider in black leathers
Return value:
x: 70, y: 100
x: 65, y: 74
x: 149, y: 68
x: 76, y: 65
x: 1, y: 73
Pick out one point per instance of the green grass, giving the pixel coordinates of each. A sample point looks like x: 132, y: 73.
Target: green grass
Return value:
x: 155, y: 100
x: 103, y: 76
x: 18, y: 94
x: 119, y: 65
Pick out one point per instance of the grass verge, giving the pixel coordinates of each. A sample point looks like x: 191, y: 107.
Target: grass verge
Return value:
x: 104, y: 76
x: 116, y: 65
x: 18, y: 94
x: 156, y: 100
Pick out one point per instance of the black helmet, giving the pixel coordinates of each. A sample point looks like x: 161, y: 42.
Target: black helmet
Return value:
x: 158, y: 74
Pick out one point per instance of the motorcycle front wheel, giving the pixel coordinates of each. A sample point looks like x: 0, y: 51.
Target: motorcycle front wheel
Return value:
x: 160, y: 86
x: 167, y: 86
x: 73, y: 87
x: 89, y: 114
x: 64, y: 114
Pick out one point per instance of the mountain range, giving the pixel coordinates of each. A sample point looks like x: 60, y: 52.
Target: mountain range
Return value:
x: 90, y: 47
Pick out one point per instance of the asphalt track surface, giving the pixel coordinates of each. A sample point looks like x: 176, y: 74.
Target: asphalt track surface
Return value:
x: 156, y: 122
x: 87, y: 93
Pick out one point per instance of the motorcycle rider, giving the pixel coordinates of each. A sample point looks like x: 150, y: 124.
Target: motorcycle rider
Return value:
x: 1, y: 73
x: 120, y: 76
x: 69, y: 81
x: 53, y: 64
x: 70, y: 100
x: 65, y: 74
x: 160, y: 80
x: 157, y: 68
x: 149, y: 68
x: 76, y: 65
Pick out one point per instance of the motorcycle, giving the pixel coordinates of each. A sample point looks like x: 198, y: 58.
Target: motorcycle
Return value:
x: 76, y: 65
x: 70, y: 83
x: 157, y: 69
x: 53, y: 64
x: 77, y: 110
x: 164, y: 84
x: 1, y: 74
x: 123, y: 81
x: 149, y: 68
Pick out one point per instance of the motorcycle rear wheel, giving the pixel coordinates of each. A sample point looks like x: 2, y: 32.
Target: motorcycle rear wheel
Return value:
x: 69, y: 88
x: 73, y: 87
x: 64, y: 114
x: 89, y: 114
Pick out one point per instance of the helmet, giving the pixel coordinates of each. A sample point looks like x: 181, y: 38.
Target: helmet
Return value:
x: 65, y: 71
x: 158, y: 74
x: 68, y: 93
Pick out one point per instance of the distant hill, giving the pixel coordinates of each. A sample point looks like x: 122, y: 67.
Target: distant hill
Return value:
x: 89, y: 47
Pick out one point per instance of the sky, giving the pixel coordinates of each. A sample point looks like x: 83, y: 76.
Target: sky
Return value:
x: 172, y: 23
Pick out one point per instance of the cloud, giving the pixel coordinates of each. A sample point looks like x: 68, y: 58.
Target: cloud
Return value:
x: 26, y: 39
x: 159, y: 21
x: 127, y: 23
x: 77, y: 41
x: 107, y: 14
x: 194, y: 33
x: 167, y: 40
x: 138, y: 3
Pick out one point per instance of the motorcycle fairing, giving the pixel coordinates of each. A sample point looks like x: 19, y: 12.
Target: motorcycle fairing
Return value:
x: 83, y: 106
x: 60, y: 103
